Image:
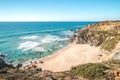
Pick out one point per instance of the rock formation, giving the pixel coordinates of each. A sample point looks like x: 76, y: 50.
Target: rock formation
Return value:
x: 105, y: 35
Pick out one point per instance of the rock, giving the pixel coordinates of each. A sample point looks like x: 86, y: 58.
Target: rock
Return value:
x: 3, y: 64
x: 2, y: 56
x: 35, y: 62
x: 3, y: 71
x: 95, y: 43
x: 31, y: 62
x: 115, y: 55
x: 39, y: 69
x: 34, y: 66
x: 41, y: 61
x: 81, y: 40
x: 68, y: 78
x: 18, y: 65
x: 10, y: 65
x: 91, y: 44
x: 50, y: 78
x: 2, y: 61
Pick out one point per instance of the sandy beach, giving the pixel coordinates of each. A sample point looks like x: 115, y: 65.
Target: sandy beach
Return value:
x: 70, y: 56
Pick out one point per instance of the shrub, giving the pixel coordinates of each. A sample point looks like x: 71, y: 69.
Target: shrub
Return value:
x: 110, y: 44
x: 90, y: 70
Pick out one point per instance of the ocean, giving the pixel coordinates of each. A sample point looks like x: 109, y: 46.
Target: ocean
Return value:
x: 25, y: 41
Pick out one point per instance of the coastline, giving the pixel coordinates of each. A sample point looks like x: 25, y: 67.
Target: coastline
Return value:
x: 46, y: 57
x: 55, y: 53
x: 66, y: 58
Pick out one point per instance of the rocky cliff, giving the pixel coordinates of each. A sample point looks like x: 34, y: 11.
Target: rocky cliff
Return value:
x: 105, y: 34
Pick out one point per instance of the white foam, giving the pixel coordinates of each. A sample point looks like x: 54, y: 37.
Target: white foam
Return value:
x: 49, y: 39
x: 68, y: 33
x: 29, y: 37
x: 34, y: 45
x: 39, y: 49
x: 28, y: 45
x: 64, y: 39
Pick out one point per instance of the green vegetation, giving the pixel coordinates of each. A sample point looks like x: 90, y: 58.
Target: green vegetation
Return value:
x: 61, y: 76
x: 90, y: 71
x: 110, y: 43
x: 108, y: 39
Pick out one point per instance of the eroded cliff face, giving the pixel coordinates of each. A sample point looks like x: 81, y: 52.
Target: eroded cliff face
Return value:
x: 105, y: 34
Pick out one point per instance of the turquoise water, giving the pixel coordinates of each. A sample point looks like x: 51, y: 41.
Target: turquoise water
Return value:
x: 25, y: 41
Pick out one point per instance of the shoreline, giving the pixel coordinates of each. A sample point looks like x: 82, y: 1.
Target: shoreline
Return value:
x: 62, y: 61
x: 46, y: 57
x: 55, y: 53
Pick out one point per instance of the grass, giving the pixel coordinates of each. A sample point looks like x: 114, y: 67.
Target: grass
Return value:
x: 110, y: 43
x: 90, y: 70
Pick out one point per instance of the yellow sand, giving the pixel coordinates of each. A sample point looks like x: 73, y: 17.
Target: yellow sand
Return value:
x: 73, y: 55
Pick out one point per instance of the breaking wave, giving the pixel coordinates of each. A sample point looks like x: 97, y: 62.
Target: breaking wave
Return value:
x: 28, y: 45
x: 36, y: 43
x: 29, y: 37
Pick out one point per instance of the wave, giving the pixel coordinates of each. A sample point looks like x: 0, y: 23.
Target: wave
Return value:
x: 39, y: 49
x: 37, y: 44
x: 67, y: 33
x: 29, y: 37
x: 52, y: 38
x: 28, y: 45
x: 49, y: 39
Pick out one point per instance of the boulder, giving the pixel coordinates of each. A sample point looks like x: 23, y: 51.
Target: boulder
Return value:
x: 2, y: 56
x: 2, y: 61
x: 18, y: 65
x: 39, y: 69
x: 81, y: 40
x: 50, y: 78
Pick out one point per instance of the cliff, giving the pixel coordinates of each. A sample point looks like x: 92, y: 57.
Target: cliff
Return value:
x: 105, y: 34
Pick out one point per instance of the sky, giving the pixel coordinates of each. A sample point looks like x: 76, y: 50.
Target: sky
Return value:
x: 59, y: 10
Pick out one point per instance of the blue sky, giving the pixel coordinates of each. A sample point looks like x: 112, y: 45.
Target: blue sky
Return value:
x: 59, y: 10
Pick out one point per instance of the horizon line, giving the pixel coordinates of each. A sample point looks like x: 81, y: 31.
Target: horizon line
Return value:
x: 62, y: 21
x: 65, y: 21
x: 49, y: 21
